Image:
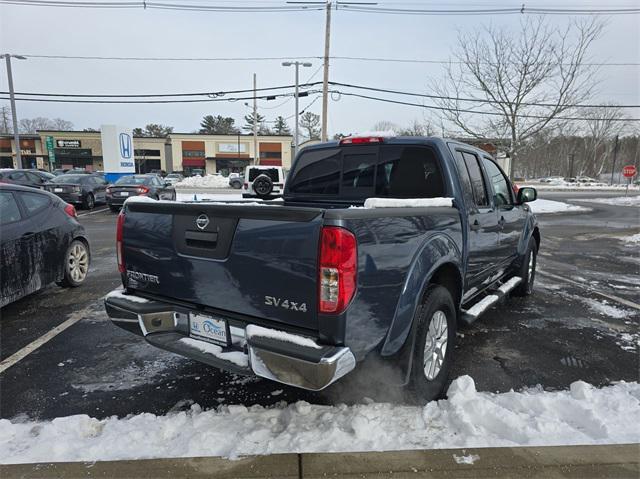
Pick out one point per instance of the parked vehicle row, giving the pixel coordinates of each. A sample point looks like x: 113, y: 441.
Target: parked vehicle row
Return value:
x: 128, y: 186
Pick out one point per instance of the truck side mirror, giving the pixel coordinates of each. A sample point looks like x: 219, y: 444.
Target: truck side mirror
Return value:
x: 527, y: 194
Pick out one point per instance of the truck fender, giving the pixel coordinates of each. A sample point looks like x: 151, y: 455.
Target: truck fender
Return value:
x: 529, y: 227
x: 438, y: 249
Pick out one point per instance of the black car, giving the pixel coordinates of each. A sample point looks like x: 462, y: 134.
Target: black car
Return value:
x: 41, y: 243
x: 82, y: 189
x: 138, y: 185
x: 31, y: 178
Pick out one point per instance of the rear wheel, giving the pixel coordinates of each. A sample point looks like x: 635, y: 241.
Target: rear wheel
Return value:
x: 76, y: 265
x: 435, y: 339
x: 89, y: 202
x: 528, y: 270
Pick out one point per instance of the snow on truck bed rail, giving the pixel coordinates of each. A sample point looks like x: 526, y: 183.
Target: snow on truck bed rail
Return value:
x: 407, y: 202
x: 467, y: 419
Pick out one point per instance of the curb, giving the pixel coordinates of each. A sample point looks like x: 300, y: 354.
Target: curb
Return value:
x: 610, y: 461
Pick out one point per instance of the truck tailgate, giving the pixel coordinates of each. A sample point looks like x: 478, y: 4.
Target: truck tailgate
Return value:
x: 258, y: 261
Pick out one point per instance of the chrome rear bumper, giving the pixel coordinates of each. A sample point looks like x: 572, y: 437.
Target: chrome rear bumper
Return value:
x: 273, y: 354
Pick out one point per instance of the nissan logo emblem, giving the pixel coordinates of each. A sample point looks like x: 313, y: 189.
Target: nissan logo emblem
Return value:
x: 202, y: 221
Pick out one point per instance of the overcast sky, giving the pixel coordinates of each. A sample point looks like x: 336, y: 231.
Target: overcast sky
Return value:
x: 159, y: 33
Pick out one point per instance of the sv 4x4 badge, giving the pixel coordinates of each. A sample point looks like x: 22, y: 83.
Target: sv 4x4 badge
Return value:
x: 285, y: 303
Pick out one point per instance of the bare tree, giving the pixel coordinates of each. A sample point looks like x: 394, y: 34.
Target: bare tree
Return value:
x: 386, y: 125
x: 5, y: 120
x: 417, y: 128
x: 310, y: 122
x: 523, y: 81
x: 602, y: 125
x: 31, y: 125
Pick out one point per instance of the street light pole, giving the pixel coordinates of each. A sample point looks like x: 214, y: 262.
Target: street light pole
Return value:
x: 297, y: 98
x: 14, y: 114
x: 255, y: 123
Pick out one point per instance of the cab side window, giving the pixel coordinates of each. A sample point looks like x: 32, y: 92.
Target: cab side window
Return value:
x: 502, y: 193
x: 477, y: 179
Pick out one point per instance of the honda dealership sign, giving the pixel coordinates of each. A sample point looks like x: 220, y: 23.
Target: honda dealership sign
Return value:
x: 117, y: 151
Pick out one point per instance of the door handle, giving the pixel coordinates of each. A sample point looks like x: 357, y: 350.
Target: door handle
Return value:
x: 475, y: 226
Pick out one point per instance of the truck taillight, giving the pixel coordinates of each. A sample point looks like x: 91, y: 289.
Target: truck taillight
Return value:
x: 143, y: 190
x: 361, y: 140
x: 337, y: 269
x: 119, y: 225
x: 246, y: 186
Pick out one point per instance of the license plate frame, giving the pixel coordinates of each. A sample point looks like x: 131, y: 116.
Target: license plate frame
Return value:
x: 124, y: 193
x: 58, y: 190
x: 209, y: 328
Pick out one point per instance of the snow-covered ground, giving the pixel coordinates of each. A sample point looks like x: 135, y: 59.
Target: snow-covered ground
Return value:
x: 533, y: 417
x: 549, y: 206
x: 563, y: 185
x: 208, y: 181
x: 633, y: 239
x: 617, y: 201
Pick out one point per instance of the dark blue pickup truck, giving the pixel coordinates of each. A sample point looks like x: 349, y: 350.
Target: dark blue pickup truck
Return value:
x: 380, y: 246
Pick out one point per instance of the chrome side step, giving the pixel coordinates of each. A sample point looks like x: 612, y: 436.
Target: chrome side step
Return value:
x: 468, y: 316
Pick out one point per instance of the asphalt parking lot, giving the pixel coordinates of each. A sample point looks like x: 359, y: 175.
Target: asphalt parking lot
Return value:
x: 583, y: 322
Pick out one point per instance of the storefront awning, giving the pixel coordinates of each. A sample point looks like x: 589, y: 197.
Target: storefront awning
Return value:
x: 193, y: 162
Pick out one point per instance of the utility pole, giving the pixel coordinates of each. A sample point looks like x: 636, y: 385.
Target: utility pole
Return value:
x: 325, y: 79
x: 255, y: 122
x: 615, y: 157
x: 571, y: 157
x: 297, y: 64
x: 14, y: 114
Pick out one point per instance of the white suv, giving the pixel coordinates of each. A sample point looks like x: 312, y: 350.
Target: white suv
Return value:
x: 263, y: 182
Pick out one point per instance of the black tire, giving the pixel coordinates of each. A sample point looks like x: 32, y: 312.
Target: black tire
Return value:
x: 236, y: 185
x: 428, y: 384
x: 114, y: 209
x: 528, y: 275
x: 76, y: 265
x: 263, y: 186
x: 88, y: 202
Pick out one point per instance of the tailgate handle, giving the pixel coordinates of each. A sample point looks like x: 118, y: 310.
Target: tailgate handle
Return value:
x: 200, y: 239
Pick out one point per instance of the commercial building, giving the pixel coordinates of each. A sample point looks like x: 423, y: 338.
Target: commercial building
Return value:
x: 186, y: 152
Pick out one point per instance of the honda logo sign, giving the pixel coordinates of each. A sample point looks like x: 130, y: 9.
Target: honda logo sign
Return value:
x: 126, y: 146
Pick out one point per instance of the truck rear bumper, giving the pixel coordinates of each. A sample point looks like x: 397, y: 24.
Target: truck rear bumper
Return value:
x: 273, y: 354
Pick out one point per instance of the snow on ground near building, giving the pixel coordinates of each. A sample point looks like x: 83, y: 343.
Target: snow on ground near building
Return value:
x: 549, y: 206
x: 533, y: 417
x: 209, y: 181
x: 618, y: 201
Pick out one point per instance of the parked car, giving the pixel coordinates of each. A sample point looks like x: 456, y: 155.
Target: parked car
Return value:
x: 41, y: 243
x: 236, y: 180
x: 31, y: 178
x: 265, y: 182
x: 80, y: 189
x: 381, y: 248
x: 138, y: 185
x: 173, y: 178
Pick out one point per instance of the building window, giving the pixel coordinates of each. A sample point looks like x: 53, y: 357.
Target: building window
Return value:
x: 147, y: 152
x: 193, y: 153
x: 271, y: 154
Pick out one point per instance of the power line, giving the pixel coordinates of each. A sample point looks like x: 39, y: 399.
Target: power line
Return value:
x: 474, y: 100
x: 211, y: 94
x: 315, y: 6
x: 487, y: 113
x: 252, y: 59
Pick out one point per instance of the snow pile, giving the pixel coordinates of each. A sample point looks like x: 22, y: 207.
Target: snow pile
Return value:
x: 118, y: 293
x: 258, y: 331
x: 548, y: 206
x: 372, y: 133
x: 617, y: 201
x: 372, y: 203
x: 633, y: 239
x: 468, y: 419
x: 209, y: 181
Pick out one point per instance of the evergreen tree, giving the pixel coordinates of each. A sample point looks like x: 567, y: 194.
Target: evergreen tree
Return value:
x: 280, y: 126
x: 218, y: 125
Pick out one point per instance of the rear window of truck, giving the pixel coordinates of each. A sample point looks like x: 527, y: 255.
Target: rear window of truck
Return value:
x: 360, y: 172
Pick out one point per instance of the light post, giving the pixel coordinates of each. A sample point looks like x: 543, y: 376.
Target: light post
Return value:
x: 297, y: 65
x: 12, y: 98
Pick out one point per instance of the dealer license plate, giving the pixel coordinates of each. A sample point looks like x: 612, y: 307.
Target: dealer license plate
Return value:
x: 208, y: 328
x: 124, y: 193
x: 58, y: 190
